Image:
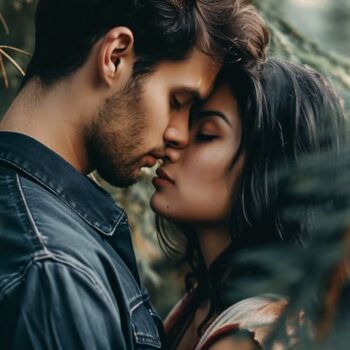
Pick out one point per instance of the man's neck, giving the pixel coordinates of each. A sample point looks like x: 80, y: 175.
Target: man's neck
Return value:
x: 50, y: 117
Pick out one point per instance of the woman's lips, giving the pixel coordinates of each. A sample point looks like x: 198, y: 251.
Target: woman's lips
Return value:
x: 162, y: 179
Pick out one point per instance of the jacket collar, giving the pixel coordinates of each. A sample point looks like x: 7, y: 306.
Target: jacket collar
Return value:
x: 93, y: 204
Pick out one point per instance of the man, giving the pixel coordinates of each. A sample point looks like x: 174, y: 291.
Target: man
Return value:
x: 110, y: 84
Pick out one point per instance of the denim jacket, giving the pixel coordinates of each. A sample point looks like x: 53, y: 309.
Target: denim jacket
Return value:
x: 68, y: 274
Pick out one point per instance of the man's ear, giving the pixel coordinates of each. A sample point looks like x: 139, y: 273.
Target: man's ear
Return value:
x: 116, y: 56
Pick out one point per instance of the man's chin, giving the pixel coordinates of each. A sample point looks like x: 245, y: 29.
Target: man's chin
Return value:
x: 120, y: 180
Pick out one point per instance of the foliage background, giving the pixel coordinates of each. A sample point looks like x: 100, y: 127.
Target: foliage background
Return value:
x: 313, y: 32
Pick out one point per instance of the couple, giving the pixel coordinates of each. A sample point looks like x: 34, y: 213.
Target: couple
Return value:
x: 113, y: 86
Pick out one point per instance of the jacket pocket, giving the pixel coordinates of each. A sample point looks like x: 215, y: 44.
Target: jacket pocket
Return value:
x: 143, y: 320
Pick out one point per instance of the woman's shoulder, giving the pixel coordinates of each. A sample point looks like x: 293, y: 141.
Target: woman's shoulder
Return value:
x: 180, y: 307
x: 256, y: 315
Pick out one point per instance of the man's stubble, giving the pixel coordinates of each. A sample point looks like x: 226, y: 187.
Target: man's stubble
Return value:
x: 114, y: 138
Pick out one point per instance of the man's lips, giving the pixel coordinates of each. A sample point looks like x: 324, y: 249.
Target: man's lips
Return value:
x: 149, y: 161
x: 163, y: 178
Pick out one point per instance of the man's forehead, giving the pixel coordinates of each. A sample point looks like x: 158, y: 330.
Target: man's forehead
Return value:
x: 199, y: 88
x: 195, y: 74
x: 203, y: 69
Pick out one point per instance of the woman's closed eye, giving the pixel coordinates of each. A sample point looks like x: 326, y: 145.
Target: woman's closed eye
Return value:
x: 203, y: 137
x: 208, y: 130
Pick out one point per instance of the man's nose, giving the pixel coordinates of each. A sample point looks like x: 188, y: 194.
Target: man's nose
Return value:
x: 176, y: 134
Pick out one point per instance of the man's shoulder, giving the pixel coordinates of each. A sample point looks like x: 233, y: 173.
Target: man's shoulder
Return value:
x: 32, y: 209
x: 36, y: 223
x: 47, y: 269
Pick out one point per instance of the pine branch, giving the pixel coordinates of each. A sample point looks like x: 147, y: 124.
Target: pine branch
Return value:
x: 3, y: 53
x: 288, y: 41
x: 4, y: 24
x: 3, y: 72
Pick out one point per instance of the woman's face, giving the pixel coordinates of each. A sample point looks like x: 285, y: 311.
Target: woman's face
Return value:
x: 195, y: 183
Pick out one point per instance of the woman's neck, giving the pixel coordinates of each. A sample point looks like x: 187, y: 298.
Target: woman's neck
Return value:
x: 213, y: 240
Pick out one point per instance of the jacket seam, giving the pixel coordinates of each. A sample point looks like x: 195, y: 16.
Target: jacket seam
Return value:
x: 59, y: 260
x: 36, y: 231
x: 135, y: 303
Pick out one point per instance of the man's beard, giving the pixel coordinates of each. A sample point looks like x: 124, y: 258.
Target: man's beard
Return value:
x: 115, y: 135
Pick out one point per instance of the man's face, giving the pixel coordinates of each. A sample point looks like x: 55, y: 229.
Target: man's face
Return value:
x: 132, y: 128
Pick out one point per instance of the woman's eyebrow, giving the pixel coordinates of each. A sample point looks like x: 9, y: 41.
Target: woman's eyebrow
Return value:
x: 213, y: 113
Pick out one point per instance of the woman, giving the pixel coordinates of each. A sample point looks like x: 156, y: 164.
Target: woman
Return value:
x: 219, y: 195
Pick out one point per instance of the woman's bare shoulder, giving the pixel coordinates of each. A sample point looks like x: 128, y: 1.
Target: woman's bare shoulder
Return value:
x: 256, y: 315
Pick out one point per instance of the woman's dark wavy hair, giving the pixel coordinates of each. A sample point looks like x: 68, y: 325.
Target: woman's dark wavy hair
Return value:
x: 286, y: 111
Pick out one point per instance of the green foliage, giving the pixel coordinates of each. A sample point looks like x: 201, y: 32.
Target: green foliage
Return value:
x: 288, y: 41
x: 316, y: 195
x: 16, y: 30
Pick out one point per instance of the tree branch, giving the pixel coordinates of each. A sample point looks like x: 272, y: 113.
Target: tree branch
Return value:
x: 3, y: 71
x: 2, y: 52
x: 3, y: 22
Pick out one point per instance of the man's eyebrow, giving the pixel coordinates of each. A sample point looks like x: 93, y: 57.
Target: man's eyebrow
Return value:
x: 213, y: 113
x: 190, y: 91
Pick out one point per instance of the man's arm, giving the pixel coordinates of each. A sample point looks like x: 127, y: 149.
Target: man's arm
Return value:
x: 62, y: 306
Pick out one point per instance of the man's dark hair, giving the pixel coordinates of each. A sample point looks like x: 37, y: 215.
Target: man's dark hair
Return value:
x: 163, y: 30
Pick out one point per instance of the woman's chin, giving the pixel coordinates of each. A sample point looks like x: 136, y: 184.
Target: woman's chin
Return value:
x: 155, y: 205
x: 160, y: 207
